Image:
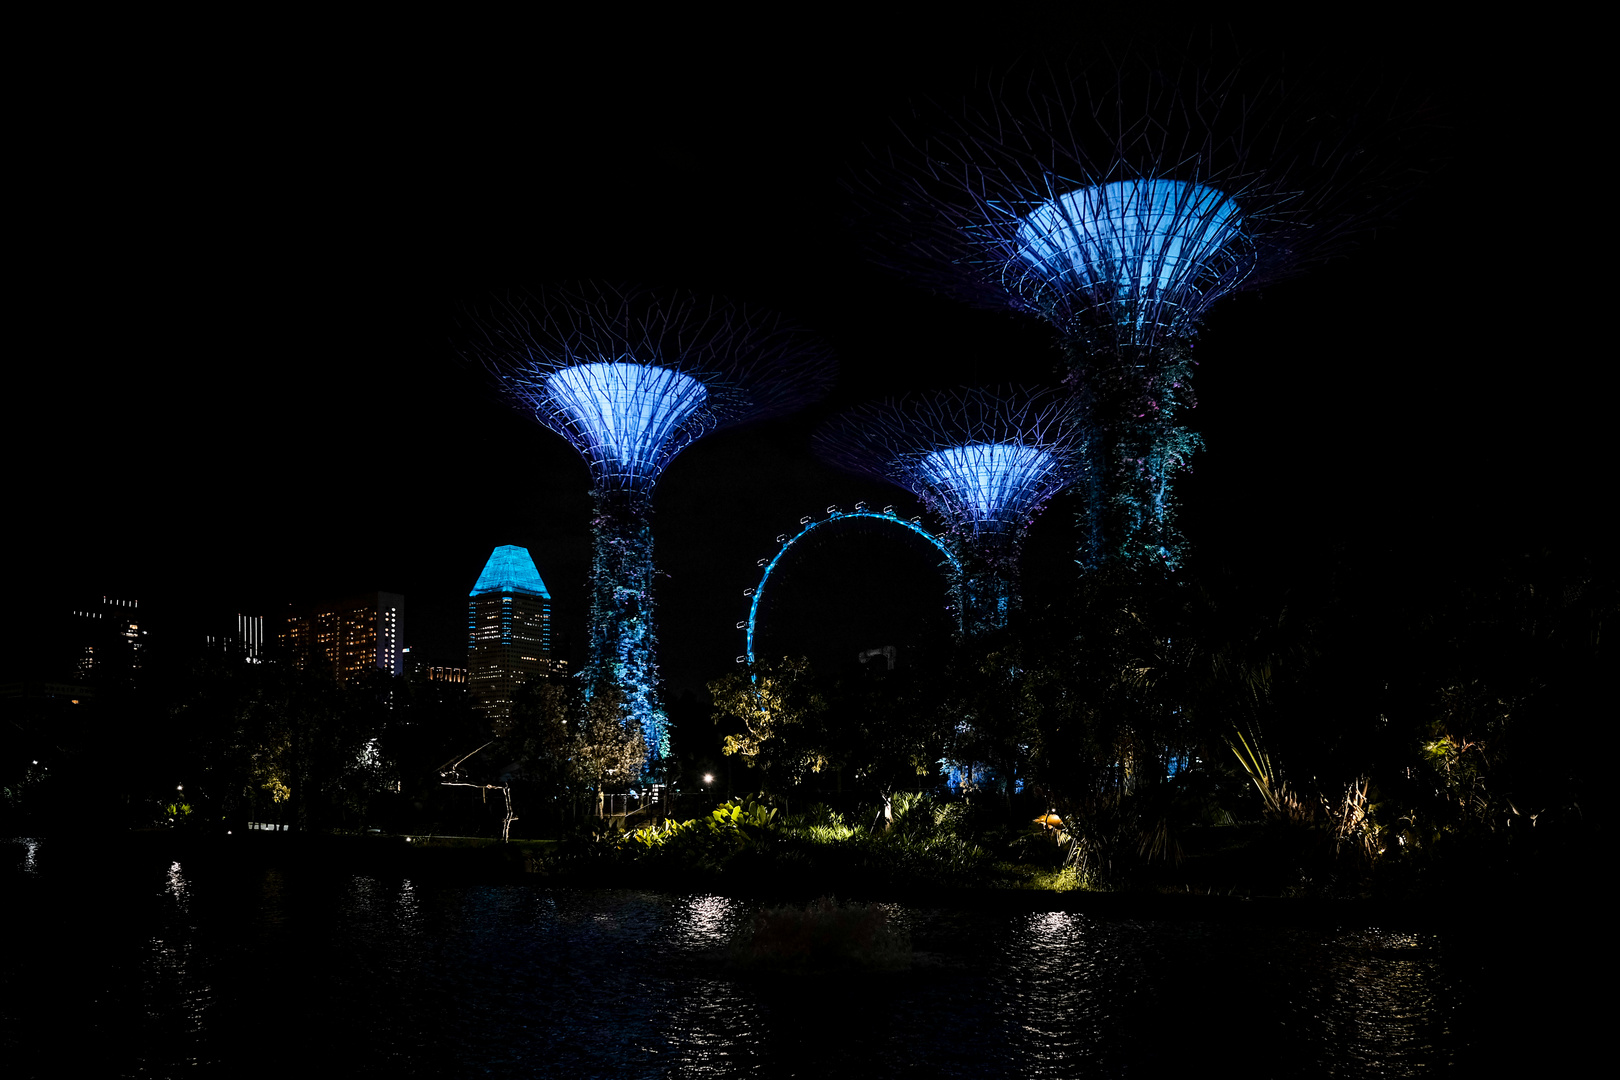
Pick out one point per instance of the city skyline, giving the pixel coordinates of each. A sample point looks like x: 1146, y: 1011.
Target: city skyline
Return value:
x: 1356, y: 406
x: 1325, y: 752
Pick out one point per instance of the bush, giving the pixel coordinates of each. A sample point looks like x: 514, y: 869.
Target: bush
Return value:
x: 818, y: 825
x: 704, y: 842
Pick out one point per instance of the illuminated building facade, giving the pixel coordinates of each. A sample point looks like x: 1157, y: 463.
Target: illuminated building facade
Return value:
x: 631, y: 378
x: 1118, y: 206
x: 986, y: 462
x: 420, y: 669
x: 349, y: 639
x: 250, y: 633
x: 509, y: 632
x: 248, y: 639
x: 107, y: 639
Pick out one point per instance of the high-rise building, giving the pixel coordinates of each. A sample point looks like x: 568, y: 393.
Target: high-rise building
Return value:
x: 247, y: 641
x: 250, y: 633
x: 107, y: 639
x: 347, y: 639
x: 508, y: 630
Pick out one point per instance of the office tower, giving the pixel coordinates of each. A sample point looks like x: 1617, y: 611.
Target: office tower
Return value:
x: 107, y: 639
x: 508, y: 630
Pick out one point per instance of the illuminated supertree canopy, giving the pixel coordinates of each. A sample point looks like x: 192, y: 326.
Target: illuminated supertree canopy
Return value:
x: 1118, y: 204
x: 985, y: 461
x: 630, y: 378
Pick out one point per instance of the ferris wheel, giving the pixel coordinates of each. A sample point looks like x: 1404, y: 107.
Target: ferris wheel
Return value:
x: 809, y: 524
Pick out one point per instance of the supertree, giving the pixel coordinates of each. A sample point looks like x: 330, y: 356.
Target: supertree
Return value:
x: 630, y: 378
x: 985, y: 461
x: 1118, y: 204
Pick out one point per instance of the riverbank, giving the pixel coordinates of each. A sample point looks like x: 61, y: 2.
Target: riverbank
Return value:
x: 766, y: 881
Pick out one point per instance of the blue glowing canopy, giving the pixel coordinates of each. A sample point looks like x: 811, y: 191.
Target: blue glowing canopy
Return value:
x: 1134, y: 235
x: 630, y: 415
x: 991, y: 482
x: 510, y: 570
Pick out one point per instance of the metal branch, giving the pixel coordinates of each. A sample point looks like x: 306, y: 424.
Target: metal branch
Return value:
x: 985, y: 461
x: 651, y: 372
x: 950, y: 203
x: 918, y: 443
x: 630, y: 378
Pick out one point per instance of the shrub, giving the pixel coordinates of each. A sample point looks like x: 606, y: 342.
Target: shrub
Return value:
x: 705, y: 841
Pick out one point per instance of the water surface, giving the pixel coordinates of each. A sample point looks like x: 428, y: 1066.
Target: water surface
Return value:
x: 196, y: 968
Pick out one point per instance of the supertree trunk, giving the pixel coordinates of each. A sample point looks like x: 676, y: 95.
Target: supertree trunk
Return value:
x: 630, y: 378
x: 988, y: 587
x: 1119, y: 203
x: 623, y: 629
x: 1129, y: 398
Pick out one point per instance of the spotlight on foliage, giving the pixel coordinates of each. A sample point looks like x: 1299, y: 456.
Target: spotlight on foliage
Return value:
x: 985, y: 461
x: 630, y: 378
x: 1118, y: 203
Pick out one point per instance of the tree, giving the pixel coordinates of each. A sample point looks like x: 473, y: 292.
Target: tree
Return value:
x: 268, y: 741
x: 606, y: 746
x: 783, y: 718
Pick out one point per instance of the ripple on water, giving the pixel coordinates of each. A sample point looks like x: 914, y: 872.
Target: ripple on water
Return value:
x: 397, y: 975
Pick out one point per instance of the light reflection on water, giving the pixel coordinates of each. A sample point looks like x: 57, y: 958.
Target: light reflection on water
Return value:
x: 28, y: 849
x: 1060, y: 995
x: 176, y: 886
x: 1383, y: 997
x: 409, y: 977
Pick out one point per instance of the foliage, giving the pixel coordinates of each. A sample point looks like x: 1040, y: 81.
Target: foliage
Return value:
x: 782, y: 713
x: 819, y: 825
x: 555, y: 744
x: 606, y: 745
x: 1132, y: 398
x: 996, y: 712
x: 738, y: 823
x: 701, y: 843
x: 930, y: 843
x: 888, y: 729
x: 1275, y: 795
x: 1353, y: 733
x: 534, y: 736
x: 17, y: 789
x: 272, y: 743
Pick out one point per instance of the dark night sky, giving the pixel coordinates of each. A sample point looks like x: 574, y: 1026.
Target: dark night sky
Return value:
x: 244, y: 394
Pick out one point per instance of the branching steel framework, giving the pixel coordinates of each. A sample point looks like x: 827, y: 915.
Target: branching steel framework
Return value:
x: 984, y: 461
x: 1118, y: 204
x: 630, y: 378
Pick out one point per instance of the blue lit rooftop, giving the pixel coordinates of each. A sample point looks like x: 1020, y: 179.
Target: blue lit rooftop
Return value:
x: 991, y: 482
x: 630, y: 415
x: 1134, y: 235
x: 510, y: 570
